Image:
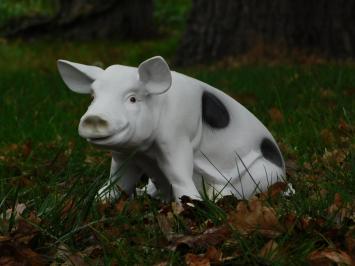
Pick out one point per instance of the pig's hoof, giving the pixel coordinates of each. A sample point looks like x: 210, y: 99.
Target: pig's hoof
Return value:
x: 108, y: 194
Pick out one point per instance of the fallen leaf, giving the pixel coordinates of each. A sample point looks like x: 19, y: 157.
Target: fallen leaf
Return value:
x: 17, y: 254
x: 120, y: 205
x: 176, y: 208
x: 19, y: 209
x: 274, y: 190
x: 327, y: 136
x: 268, y: 250
x: 165, y: 226
x: 350, y: 242
x: 306, y: 222
x: 276, y: 115
x: 163, y: 263
x: 327, y: 93
x: 340, y: 210
x: 93, y: 251
x: 77, y: 260
x: 24, y: 232
x: 329, y: 256
x: 27, y: 149
x: 213, y: 254
x: 211, y: 237
x: 195, y: 260
x: 290, y: 220
x: 252, y: 216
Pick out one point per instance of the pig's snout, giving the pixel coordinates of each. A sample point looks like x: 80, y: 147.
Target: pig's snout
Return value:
x: 93, y: 126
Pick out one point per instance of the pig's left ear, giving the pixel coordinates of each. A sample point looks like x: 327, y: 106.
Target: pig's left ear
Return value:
x: 78, y: 77
x: 155, y: 75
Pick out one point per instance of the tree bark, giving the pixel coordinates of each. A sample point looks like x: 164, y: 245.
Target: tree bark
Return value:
x: 89, y: 19
x: 219, y: 28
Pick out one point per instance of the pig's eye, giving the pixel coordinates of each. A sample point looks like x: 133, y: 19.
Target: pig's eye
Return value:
x: 132, y: 99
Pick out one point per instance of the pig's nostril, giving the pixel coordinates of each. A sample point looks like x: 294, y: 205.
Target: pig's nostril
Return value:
x: 94, y: 121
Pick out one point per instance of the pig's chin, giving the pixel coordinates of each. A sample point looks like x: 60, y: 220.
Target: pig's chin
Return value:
x: 114, y: 140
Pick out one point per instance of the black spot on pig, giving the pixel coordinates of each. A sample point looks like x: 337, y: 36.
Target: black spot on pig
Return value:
x: 271, y: 152
x: 214, y: 112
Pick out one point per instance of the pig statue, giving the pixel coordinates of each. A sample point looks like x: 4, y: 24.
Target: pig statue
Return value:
x: 188, y: 137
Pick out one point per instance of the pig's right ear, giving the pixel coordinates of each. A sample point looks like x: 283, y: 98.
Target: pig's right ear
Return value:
x: 78, y: 77
x: 155, y: 75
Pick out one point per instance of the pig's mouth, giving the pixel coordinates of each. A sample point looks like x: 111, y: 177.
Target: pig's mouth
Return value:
x: 100, y: 138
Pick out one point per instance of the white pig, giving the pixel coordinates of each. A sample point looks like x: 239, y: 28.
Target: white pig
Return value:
x: 188, y: 137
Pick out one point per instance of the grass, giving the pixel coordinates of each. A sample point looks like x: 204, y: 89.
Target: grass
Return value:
x: 56, y: 174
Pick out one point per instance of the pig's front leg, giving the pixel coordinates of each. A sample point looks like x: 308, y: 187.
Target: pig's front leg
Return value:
x: 123, y: 176
x: 177, y: 165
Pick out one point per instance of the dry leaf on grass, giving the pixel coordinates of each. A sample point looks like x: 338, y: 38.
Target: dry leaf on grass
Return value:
x: 24, y: 232
x: 329, y: 256
x: 212, y: 255
x: 350, y: 242
x: 18, y: 210
x: 340, y: 210
x: 253, y: 216
x: 268, y: 250
x: 276, y: 115
x: 210, y: 237
x: 327, y: 136
x: 196, y: 260
x: 166, y: 226
x: 13, y: 253
x: 274, y: 190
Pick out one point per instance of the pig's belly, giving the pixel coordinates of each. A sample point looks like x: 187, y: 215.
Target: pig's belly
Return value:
x: 243, y: 177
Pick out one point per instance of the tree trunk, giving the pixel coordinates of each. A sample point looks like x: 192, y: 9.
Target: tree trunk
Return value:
x: 219, y: 28
x: 89, y: 19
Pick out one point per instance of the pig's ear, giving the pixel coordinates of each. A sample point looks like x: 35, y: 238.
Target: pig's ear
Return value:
x: 78, y: 77
x: 155, y: 75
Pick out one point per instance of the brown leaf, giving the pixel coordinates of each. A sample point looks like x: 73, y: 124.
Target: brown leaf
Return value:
x: 213, y: 254
x: 19, y: 208
x: 24, y: 232
x: 340, y: 210
x: 165, y: 226
x: 27, y: 149
x: 327, y: 136
x: 276, y: 115
x: 253, y: 216
x: 350, y: 242
x: 195, y: 260
x: 93, y: 251
x: 119, y: 206
x: 210, y: 237
x: 76, y: 260
x: 268, y: 250
x: 177, y: 208
x: 292, y: 167
x: 306, y: 222
x: 163, y: 263
x: 290, y: 220
x: 31, y: 257
x: 274, y: 190
x: 329, y: 256
x: 4, y: 239
x: 17, y: 254
x: 335, y: 157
